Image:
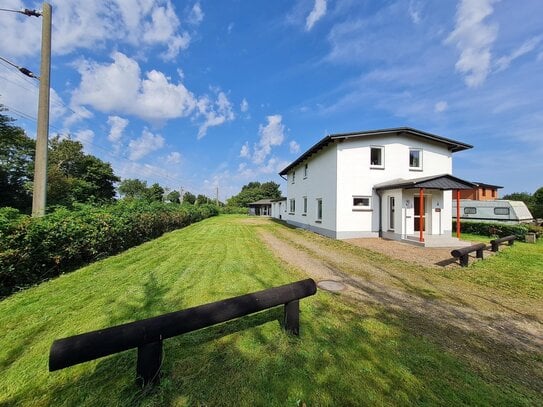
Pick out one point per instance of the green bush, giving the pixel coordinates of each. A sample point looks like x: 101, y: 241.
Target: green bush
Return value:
x: 234, y: 210
x: 494, y: 228
x: 35, y: 249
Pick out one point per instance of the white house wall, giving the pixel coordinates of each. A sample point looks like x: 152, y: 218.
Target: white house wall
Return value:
x: 357, y: 178
x: 320, y: 183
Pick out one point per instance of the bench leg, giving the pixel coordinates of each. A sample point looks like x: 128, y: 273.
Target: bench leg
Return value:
x: 495, y: 246
x: 464, y: 260
x: 148, y: 365
x: 479, y: 253
x: 291, y: 317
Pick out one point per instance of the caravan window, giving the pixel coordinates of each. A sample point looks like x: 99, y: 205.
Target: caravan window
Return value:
x: 501, y: 211
x: 470, y: 210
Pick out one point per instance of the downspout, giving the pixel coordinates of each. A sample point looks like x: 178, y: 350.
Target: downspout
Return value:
x: 380, y: 213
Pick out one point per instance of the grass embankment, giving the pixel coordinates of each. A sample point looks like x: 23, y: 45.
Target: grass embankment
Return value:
x: 345, y: 355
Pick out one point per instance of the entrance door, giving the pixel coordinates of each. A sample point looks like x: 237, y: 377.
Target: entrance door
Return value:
x: 417, y: 216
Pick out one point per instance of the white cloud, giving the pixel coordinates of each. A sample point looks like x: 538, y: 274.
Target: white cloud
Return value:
x: 85, y: 137
x: 173, y: 158
x: 118, y: 124
x: 244, y: 106
x: 528, y: 46
x: 215, y: 113
x: 119, y: 87
x: 319, y: 10
x: 196, y: 15
x: 245, y: 151
x: 440, y: 106
x: 294, y: 147
x: 474, y: 38
x: 82, y: 24
x: 270, y: 135
x: 147, y: 143
x: 415, y: 11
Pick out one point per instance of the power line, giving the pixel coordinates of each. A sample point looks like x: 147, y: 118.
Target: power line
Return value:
x: 27, y: 12
x: 8, y: 68
x: 107, y: 150
x: 21, y: 69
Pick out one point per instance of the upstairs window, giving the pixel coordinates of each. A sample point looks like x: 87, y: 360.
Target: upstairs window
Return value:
x: 377, y: 157
x: 415, y: 159
x: 293, y: 176
x: 305, y: 171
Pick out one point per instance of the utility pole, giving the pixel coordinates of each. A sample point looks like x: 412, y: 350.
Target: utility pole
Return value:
x: 39, y: 197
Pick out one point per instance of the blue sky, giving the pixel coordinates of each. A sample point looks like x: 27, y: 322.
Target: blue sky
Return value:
x: 200, y: 94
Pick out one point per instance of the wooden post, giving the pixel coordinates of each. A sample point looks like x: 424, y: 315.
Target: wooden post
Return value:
x: 458, y: 213
x: 421, y: 213
x: 148, y: 364
x: 291, y: 317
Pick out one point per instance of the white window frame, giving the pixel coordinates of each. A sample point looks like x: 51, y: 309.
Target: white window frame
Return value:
x: 359, y: 207
x: 419, y: 168
x: 304, y: 212
x: 305, y: 171
x: 292, y: 206
x: 293, y: 177
x: 319, y: 203
x: 382, y: 165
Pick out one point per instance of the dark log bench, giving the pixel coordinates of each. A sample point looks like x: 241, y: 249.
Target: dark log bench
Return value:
x: 147, y: 334
x: 507, y: 239
x: 463, y: 253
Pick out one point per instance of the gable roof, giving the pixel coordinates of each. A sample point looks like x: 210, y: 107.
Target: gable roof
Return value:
x: 452, y: 145
x: 442, y: 182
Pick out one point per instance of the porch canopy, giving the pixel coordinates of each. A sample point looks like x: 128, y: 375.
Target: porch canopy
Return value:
x: 443, y: 182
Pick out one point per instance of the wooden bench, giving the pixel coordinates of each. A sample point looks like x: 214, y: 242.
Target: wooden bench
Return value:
x: 507, y: 239
x: 463, y: 253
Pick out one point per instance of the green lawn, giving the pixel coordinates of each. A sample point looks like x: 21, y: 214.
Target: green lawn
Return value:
x: 345, y: 355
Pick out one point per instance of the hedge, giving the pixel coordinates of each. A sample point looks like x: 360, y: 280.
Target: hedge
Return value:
x: 35, y: 249
x: 499, y: 229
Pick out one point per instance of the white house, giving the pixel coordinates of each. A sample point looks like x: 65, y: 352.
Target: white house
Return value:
x: 394, y: 183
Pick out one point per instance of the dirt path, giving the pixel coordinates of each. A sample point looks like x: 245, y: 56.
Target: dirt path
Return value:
x: 454, y: 313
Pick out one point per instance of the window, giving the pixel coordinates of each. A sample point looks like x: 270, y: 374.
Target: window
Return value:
x: 376, y: 157
x: 305, y: 171
x: 361, y: 202
x: 293, y: 176
x: 319, y: 209
x: 305, y: 206
x: 501, y: 211
x: 469, y: 210
x: 292, y: 206
x: 415, y: 159
x: 391, y: 209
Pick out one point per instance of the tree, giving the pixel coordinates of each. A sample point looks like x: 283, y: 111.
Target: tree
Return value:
x: 255, y: 191
x: 132, y: 188
x: 73, y: 176
x: 519, y: 196
x: 16, y: 165
x: 173, y: 196
x: 201, y: 199
x: 189, y: 198
x: 537, y: 197
x: 154, y: 193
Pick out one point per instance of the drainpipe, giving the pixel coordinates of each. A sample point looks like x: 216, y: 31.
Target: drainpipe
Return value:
x: 380, y: 213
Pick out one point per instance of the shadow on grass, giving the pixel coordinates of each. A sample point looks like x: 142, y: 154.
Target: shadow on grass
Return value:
x: 344, y: 356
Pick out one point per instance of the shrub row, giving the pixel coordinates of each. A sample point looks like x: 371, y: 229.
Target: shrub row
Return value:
x: 234, y: 210
x: 499, y: 229
x: 35, y: 249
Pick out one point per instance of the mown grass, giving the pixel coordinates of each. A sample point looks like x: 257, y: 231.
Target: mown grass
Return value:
x: 517, y: 269
x: 345, y: 355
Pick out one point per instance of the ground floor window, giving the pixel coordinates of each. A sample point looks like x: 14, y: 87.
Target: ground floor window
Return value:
x: 292, y: 206
x: 305, y: 205
x: 361, y: 202
x: 319, y: 209
x: 391, y: 208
